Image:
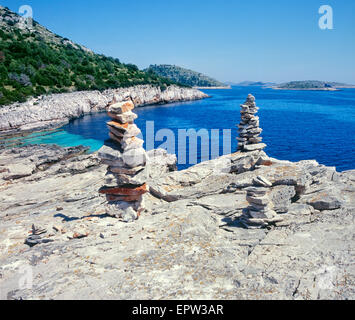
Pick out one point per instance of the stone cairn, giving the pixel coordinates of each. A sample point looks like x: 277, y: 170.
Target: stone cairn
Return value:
x: 249, y: 132
x: 260, y: 213
x: 125, y: 181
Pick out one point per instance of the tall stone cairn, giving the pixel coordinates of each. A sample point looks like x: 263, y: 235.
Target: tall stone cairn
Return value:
x: 125, y: 181
x: 249, y: 132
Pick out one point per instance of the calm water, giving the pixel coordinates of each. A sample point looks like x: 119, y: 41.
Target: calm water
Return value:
x: 298, y: 125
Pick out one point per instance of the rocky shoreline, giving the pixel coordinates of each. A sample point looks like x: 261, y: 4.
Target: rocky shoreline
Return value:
x: 190, y: 239
x: 53, y: 111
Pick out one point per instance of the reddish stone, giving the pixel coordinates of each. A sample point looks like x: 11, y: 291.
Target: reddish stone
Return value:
x: 117, y: 125
x: 77, y: 235
x: 267, y: 163
x: 121, y: 107
x: 123, y: 198
x: 125, y: 191
x: 128, y: 106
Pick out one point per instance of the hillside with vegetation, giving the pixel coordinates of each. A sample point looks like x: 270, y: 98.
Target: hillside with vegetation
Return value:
x: 35, y: 61
x: 184, y: 76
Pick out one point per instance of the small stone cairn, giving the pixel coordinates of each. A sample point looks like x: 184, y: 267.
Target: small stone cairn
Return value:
x: 125, y: 181
x: 260, y: 213
x: 249, y: 132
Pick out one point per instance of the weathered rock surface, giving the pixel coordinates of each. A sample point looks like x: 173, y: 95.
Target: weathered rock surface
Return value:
x: 281, y: 197
x: 56, y: 110
x: 188, y: 243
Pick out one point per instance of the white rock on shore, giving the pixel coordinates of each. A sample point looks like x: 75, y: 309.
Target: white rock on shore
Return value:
x: 56, y: 110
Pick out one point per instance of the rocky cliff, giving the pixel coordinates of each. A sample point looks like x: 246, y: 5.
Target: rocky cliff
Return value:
x: 189, y: 240
x: 56, y: 110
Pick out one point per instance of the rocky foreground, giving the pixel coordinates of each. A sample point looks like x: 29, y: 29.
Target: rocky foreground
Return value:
x: 189, y: 242
x: 56, y: 110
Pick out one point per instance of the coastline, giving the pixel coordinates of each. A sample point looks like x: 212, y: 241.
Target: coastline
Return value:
x: 54, y: 111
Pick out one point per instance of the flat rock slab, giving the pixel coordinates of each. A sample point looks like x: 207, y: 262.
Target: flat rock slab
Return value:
x: 323, y: 201
x: 254, y: 147
x: 123, y: 118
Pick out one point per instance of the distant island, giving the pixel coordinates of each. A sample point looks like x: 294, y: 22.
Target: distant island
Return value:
x: 186, y: 77
x: 295, y: 85
x: 252, y: 84
x: 312, y: 85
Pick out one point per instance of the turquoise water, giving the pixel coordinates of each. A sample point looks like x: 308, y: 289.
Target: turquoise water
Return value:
x: 298, y: 125
x: 60, y: 137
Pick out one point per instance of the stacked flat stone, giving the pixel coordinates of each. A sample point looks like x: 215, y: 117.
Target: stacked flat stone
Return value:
x: 125, y: 181
x: 260, y: 213
x: 249, y: 132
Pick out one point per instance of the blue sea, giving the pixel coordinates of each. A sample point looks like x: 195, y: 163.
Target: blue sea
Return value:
x: 298, y: 125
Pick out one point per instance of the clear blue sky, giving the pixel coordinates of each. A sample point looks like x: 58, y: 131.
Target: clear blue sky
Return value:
x: 231, y: 40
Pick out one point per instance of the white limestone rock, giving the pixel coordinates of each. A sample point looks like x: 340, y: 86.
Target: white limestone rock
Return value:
x: 43, y: 112
x: 135, y: 157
